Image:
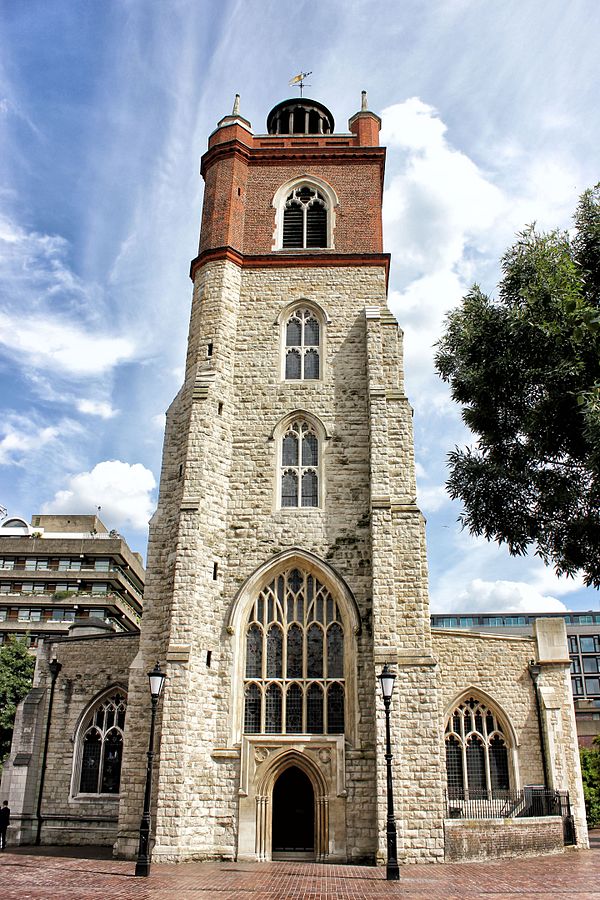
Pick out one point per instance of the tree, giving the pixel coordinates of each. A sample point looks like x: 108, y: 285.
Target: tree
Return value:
x: 590, y: 773
x: 16, y: 675
x: 526, y: 369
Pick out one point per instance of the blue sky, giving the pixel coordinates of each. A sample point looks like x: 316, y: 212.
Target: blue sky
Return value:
x: 490, y: 119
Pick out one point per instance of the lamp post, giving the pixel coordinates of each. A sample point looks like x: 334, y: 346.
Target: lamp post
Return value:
x: 54, y: 668
x: 157, y: 679
x: 535, y: 670
x: 386, y: 679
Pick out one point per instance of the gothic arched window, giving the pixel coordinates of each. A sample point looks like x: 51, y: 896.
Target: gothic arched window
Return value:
x: 101, y: 746
x: 476, y: 752
x: 302, y: 350
x: 305, y: 219
x: 299, y: 465
x: 294, y: 659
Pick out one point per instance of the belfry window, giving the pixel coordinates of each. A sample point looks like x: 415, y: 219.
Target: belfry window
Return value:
x: 101, y: 747
x: 299, y: 466
x: 476, y: 752
x: 294, y: 670
x: 302, y: 346
x: 305, y: 219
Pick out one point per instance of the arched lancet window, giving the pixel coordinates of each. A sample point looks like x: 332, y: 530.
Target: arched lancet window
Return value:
x: 305, y: 219
x: 101, y: 746
x: 299, y: 465
x: 476, y: 752
x: 300, y: 687
x: 302, y: 354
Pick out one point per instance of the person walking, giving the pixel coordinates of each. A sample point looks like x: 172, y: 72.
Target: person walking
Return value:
x: 4, y: 823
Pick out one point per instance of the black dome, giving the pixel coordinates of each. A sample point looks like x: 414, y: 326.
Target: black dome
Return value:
x: 299, y: 115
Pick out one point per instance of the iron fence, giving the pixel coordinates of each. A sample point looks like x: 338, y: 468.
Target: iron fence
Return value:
x: 530, y: 802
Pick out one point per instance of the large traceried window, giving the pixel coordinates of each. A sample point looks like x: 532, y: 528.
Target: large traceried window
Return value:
x: 299, y: 464
x: 476, y: 752
x: 101, y: 746
x: 302, y: 346
x: 294, y: 675
x: 305, y: 219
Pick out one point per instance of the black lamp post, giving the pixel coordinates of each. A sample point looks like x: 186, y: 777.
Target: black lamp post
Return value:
x: 535, y: 670
x: 386, y: 679
x: 157, y: 679
x: 54, y: 668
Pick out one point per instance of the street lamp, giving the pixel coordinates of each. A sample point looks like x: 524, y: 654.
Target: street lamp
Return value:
x: 157, y: 679
x: 386, y: 679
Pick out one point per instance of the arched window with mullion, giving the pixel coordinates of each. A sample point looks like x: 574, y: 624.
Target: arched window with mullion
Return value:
x: 477, y: 752
x: 301, y: 685
x: 299, y: 465
x: 302, y: 346
x: 101, y: 746
x: 305, y: 219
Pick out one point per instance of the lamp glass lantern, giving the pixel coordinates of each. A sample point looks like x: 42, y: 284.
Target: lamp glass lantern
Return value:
x: 387, y: 679
x: 157, y: 679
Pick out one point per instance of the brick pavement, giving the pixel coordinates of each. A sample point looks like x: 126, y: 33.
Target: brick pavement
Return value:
x: 82, y: 873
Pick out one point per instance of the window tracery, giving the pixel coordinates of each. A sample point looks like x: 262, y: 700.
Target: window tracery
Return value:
x: 101, y: 746
x: 299, y: 465
x: 294, y: 678
x: 305, y: 219
x: 476, y: 752
x: 302, y: 346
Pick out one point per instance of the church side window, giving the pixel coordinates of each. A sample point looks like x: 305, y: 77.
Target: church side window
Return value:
x: 476, y: 752
x: 305, y: 219
x: 302, y: 346
x: 295, y: 679
x: 101, y: 746
x: 299, y: 467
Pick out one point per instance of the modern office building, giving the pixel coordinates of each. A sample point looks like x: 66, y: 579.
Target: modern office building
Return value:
x: 62, y: 569
x: 583, y: 636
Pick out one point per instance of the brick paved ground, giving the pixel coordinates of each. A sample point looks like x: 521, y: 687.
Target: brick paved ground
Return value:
x: 53, y: 875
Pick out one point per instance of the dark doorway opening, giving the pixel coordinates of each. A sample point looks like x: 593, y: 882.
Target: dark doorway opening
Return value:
x: 293, y: 815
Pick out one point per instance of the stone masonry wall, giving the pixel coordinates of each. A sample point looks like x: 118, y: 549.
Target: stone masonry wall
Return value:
x: 481, y: 839
x: 90, y: 665
x: 496, y: 665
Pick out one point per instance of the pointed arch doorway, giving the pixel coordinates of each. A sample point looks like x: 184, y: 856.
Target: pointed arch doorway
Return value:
x: 293, y: 826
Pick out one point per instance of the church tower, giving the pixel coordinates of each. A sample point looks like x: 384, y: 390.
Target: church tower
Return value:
x: 287, y: 560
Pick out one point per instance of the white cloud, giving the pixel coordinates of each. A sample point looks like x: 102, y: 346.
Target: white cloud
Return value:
x: 63, y: 329
x: 504, y: 596
x: 52, y: 343
x: 97, y: 408
x: 432, y: 498
x: 123, y: 491
x: 18, y: 442
x: 23, y: 438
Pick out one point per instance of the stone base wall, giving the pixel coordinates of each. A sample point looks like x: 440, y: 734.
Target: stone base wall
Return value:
x: 90, y: 665
x: 80, y: 831
x: 480, y: 839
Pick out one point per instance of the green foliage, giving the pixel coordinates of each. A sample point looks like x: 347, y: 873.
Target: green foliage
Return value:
x: 526, y: 370
x: 590, y: 772
x: 16, y: 676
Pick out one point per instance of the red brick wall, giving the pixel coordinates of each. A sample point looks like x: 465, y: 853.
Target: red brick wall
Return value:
x: 473, y: 839
x: 241, y: 182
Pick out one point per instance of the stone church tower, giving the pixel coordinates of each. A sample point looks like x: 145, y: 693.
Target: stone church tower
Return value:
x: 287, y: 558
x: 286, y: 565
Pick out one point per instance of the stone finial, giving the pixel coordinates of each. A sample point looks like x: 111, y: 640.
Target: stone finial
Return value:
x: 363, y: 104
x: 236, y: 106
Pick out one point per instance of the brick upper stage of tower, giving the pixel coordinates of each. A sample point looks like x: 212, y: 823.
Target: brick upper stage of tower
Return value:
x: 244, y: 174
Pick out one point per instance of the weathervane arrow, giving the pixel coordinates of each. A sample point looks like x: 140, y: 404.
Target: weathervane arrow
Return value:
x: 299, y: 80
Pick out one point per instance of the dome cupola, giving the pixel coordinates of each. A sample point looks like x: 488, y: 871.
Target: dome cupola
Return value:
x: 300, y: 116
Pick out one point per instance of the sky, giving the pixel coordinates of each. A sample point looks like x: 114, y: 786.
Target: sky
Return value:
x: 490, y: 117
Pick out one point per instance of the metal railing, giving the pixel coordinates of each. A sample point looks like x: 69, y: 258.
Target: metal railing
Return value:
x: 530, y: 802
